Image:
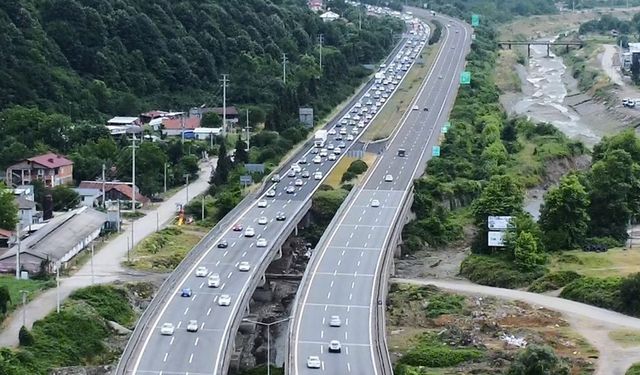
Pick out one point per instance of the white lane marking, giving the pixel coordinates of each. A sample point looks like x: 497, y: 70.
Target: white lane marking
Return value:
x: 165, y: 357
x: 209, y: 311
x: 348, y: 367
x: 350, y: 296
x: 222, y: 286
x: 202, y: 326
x: 196, y: 343
x: 217, y: 263
x: 353, y: 284
x: 226, y: 252
x: 171, y: 342
x: 186, y: 311
x: 229, y: 275
x: 321, y: 334
x: 244, y: 254
x: 201, y: 285
x: 179, y: 324
x: 329, y: 295
x: 331, y: 284
x: 194, y: 297
x: 191, y: 358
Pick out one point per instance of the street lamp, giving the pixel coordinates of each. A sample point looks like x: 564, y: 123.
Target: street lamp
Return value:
x: 186, y: 176
x: 24, y: 307
x: 268, y: 325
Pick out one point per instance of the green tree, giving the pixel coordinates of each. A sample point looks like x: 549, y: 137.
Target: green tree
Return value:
x: 241, y: 155
x: 526, y: 253
x: 64, y: 198
x: 8, y: 209
x: 220, y: 175
x: 211, y: 120
x: 226, y: 201
x: 564, y: 216
x: 189, y: 164
x: 629, y: 294
x: 538, y: 360
x: 5, y: 299
x: 25, y: 338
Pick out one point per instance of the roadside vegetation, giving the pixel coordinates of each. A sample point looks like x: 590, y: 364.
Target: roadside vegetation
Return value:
x: 431, y: 331
x: 634, y: 370
x: 324, y: 204
x: 11, y: 295
x: 164, y: 250
x: 81, y: 334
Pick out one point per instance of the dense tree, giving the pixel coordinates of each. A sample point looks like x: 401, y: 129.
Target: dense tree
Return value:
x: 5, y: 299
x: 64, y: 198
x: 241, y: 155
x: 25, y: 338
x: 629, y: 292
x: 211, y: 120
x: 220, y: 175
x: 526, y: 253
x: 538, y: 360
x: 564, y: 217
x: 8, y: 209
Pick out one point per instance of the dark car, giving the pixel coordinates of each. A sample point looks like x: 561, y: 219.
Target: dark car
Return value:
x: 237, y: 228
x: 186, y: 292
x: 223, y: 244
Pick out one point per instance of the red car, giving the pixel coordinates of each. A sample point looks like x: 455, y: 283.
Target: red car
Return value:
x: 237, y: 228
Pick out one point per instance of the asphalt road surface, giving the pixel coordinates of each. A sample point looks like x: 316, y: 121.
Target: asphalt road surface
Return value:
x: 343, y: 279
x: 203, y: 352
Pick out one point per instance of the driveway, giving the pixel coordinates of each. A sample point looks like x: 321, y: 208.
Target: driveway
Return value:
x: 591, y: 322
x: 107, y: 262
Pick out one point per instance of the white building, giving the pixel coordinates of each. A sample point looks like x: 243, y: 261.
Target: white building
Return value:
x: 329, y: 16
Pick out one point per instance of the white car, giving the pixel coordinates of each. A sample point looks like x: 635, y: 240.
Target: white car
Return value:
x: 317, y: 176
x: 244, y: 266
x: 249, y: 232
x: 167, y: 329
x: 263, y: 220
x: 299, y: 182
x: 192, y: 326
x: 350, y: 138
x: 388, y: 178
x: 213, y: 281
x: 332, y: 132
x: 224, y: 300
x: 337, y: 151
x: 271, y: 193
x: 201, y: 271
x: 343, y: 131
x: 296, y: 168
x: 313, y: 361
x: 332, y: 157
x: 354, y: 131
x: 415, y: 108
x: 317, y: 159
x: 335, y: 347
x: 335, y: 321
x: 375, y: 203
x: 275, y: 178
x: 323, y: 153
x: 262, y: 204
x: 261, y: 242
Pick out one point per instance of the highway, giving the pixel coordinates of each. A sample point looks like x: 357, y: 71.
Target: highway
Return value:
x: 345, y: 269
x: 206, y: 350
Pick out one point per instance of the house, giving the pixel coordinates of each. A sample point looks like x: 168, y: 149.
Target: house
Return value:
x: 315, y: 5
x: 206, y: 133
x: 329, y: 16
x: 27, y: 213
x: 147, y: 117
x: 176, y: 125
x: 53, y: 245
x: 89, y: 197
x: 114, y: 191
x: 232, y: 113
x: 124, y: 121
x: 5, y: 237
x: 50, y: 168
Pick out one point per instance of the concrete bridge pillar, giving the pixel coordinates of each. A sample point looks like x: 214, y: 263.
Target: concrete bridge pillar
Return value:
x: 278, y: 254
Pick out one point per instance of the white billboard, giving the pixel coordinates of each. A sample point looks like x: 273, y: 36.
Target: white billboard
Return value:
x: 496, y: 239
x: 499, y: 222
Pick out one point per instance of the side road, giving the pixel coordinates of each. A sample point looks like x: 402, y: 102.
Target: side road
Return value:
x: 593, y: 323
x: 106, y: 262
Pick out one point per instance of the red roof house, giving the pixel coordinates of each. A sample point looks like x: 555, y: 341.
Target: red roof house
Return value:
x: 115, y: 190
x: 174, y: 125
x: 50, y: 168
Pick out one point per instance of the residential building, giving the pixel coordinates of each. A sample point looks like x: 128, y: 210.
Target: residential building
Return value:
x: 232, y: 113
x: 205, y: 133
x: 124, y: 121
x: 50, y: 168
x: 176, y: 125
x: 329, y: 16
x: 53, y: 245
x: 27, y: 213
x: 315, y: 5
x: 89, y: 197
x: 5, y: 238
x: 115, y: 191
x: 147, y: 117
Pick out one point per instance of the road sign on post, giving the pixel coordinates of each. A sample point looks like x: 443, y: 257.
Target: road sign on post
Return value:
x: 475, y: 20
x: 435, y: 151
x: 465, y: 78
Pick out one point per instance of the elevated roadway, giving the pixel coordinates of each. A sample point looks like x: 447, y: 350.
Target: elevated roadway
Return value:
x: 208, y: 350
x: 347, y: 273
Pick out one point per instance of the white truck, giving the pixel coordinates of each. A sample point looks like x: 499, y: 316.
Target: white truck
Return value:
x: 320, y: 138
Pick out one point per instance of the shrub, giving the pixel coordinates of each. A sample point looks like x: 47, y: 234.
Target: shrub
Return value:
x: 538, y: 360
x: 553, y: 281
x: 630, y: 294
x: 25, y: 337
x: 634, y: 370
x: 444, y: 303
x: 110, y: 302
x: 496, y: 271
x: 431, y: 352
x: 601, y: 292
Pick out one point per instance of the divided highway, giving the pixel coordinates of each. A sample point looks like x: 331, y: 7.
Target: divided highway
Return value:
x: 338, y: 306
x: 162, y: 344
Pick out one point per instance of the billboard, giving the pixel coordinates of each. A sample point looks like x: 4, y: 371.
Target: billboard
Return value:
x: 496, y: 239
x: 499, y: 222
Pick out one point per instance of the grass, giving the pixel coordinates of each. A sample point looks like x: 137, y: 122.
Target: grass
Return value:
x: 506, y: 77
x: 634, y: 370
x: 33, y: 287
x: 391, y: 114
x: 615, y: 262
x: 162, y: 251
x: 335, y: 177
x: 133, y: 215
x: 625, y: 337
x: 496, y: 271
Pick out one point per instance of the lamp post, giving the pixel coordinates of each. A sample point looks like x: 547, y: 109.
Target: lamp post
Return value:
x: 24, y: 307
x: 268, y: 325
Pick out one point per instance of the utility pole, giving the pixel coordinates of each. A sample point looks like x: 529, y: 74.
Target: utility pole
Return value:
x: 133, y: 176
x: 104, y: 182
x: 24, y: 307
x: 187, y: 200
x: 18, y: 252
x: 360, y: 19
x: 58, y: 289
x: 224, y: 104
x: 321, y: 40
x: 202, y: 208
x: 93, y: 280
x: 182, y: 127
x: 248, y: 131
x: 165, y: 177
x: 268, y: 327
x: 157, y: 221
x: 284, y: 68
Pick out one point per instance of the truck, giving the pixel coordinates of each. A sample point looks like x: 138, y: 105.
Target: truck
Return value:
x: 320, y: 138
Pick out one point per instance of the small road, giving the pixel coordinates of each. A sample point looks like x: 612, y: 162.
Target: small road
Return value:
x: 107, y: 262
x: 593, y: 323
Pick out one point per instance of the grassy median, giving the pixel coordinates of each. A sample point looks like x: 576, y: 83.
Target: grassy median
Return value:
x: 164, y: 250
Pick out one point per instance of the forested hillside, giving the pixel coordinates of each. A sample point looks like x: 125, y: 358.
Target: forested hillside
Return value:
x: 88, y: 58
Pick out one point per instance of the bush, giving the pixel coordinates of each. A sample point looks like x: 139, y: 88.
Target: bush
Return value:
x: 444, y: 303
x: 634, y: 370
x: 553, y: 281
x: 25, y: 337
x: 609, y: 242
x: 356, y: 168
x: 431, y: 352
x: 630, y: 294
x: 496, y: 271
x: 110, y: 302
x: 538, y: 360
x: 601, y: 292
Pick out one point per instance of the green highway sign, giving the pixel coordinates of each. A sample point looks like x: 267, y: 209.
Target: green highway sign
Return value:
x: 447, y: 124
x: 435, y: 151
x: 475, y: 20
x: 465, y: 78
x: 444, y: 130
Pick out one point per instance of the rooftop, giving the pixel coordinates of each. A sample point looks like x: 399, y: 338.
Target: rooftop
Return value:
x: 122, y: 120
x: 123, y: 187
x: 176, y: 123
x: 50, y: 160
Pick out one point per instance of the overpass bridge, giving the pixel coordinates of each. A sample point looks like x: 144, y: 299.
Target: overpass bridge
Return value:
x: 549, y: 44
